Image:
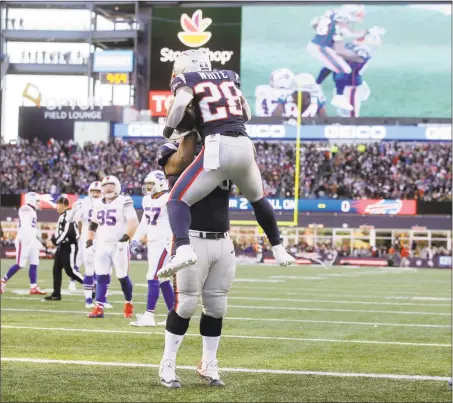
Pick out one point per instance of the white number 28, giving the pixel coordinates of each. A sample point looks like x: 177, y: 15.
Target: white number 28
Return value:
x: 214, y: 93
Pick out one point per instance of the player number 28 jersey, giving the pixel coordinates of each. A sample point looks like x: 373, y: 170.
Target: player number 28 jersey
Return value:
x: 112, y: 218
x: 217, y: 100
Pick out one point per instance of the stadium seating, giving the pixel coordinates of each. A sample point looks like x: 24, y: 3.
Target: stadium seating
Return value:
x: 378, y: 170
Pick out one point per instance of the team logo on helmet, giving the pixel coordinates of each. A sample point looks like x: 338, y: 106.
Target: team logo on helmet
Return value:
x: 194, y: 27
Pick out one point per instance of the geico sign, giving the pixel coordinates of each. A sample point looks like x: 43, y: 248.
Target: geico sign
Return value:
x: 221, y: 56
x: 147, y: 129
x: 355, y: 132
x: 159, y: 102
x: 438, y: 133
x: 266, y: 131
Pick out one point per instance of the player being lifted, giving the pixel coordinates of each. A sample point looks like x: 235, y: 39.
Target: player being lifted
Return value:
x: 353, y: 85
x: 113, y: 222
x: 228, y: 153
x: 83, y: 217
x: 27, y: 245
x: 327, y: 46
x: 155, y: 225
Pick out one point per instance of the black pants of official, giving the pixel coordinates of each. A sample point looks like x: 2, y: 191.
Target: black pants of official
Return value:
x: 65, y: 259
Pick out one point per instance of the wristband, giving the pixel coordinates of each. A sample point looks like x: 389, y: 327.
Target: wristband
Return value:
x: 124, y: 238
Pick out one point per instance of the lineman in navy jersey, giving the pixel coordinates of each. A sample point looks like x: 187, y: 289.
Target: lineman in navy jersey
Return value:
x: 228, y: 153
x: 210, y: 278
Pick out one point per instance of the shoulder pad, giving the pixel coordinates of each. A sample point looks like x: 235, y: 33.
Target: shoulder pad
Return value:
x: 146, y: 201
x: 178, y: 82
x: 165, y: 152
x: 128, y: 200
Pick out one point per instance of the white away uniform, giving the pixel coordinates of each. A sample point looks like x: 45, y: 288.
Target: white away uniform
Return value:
x: 112, y: 219
x: 156, y: 226
x: 84, y: 215
x: 27, y: 244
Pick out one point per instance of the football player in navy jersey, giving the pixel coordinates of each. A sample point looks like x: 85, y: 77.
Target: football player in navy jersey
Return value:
x: 353, y: 86
x: 209, y: 279
x: 227, y: 154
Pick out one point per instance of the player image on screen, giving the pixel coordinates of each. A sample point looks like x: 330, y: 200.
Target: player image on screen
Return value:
x: 228, y: 153
x: 327, y: 46
x: 279, y: 97
x: 113, y: 222
x: 155, y: 226
x: 352, y: 85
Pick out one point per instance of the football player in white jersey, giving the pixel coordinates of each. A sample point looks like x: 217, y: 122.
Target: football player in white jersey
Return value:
x: 156, y: 226
x: 27, y: 244
x: 114, y: 222
x: 83, y: 217
x: 274, y: 99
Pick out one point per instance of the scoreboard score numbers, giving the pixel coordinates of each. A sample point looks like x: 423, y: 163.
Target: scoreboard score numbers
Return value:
x: 114, y: 78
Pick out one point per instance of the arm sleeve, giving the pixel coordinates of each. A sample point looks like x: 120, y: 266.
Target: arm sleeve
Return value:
x: 182, y: 99
x: 129, y: 211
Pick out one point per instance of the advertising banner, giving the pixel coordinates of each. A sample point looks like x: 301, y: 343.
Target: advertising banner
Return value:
x: 405, y: 68
x: 57, y: 121
x: 48, y: 201
x: 307, y: 132
x: 368, y: 207
x: 215, y: 30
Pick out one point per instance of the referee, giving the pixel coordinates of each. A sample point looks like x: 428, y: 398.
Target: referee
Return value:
x: 66, y: 243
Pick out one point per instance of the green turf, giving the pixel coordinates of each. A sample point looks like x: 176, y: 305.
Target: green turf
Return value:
x: 266, y: 301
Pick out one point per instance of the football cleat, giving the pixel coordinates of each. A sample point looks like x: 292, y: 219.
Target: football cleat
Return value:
x: 89, y: 304
x: 340, y: 101
x: 128, y: 310
x: 2, y: 286
x: 147, y: 319
x: 167, y: 374
x: 163, y: 323
x: 36, y: 291
x: 107, y: 305
x: 72, y: 286
x: 209, y: 371
x: 52, y: 298
x: 185, y: 257
x: 282, y: 257
x: 97, y: 312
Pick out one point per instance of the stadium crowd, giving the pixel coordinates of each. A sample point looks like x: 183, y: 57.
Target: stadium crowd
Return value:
x: 379, y: 170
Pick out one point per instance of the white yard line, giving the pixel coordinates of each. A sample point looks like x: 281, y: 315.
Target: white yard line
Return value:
x: 433, y: 326
x: 335, y: 301
x: 351, y: 292
x: 291, y: 308
x: 240, y: 370
x: 357, y: 297
x: 231, y: 336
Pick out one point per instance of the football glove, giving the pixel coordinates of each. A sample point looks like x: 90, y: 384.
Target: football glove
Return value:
x: 135, y: 247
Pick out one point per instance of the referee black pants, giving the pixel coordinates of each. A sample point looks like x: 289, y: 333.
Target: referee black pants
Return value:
x: 65, y: 257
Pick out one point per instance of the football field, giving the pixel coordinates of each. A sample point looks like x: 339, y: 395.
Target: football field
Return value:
x: 291, y: 334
